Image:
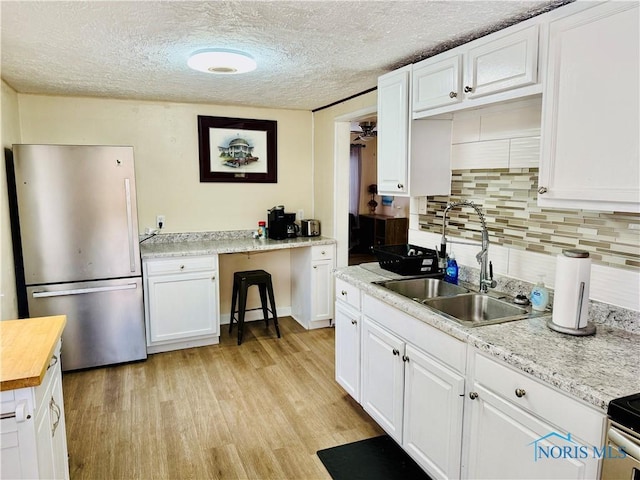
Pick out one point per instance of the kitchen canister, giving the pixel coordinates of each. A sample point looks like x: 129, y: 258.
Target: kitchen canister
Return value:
x: 571, y: 294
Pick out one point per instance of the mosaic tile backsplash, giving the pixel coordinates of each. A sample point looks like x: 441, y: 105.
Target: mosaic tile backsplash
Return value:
x: 508, y: 197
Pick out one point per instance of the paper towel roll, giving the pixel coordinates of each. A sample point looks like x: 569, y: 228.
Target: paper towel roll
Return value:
x: 571, y: 289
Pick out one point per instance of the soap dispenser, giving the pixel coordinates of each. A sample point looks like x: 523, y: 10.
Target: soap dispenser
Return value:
x: 451, y: 272
x: 539, y: 296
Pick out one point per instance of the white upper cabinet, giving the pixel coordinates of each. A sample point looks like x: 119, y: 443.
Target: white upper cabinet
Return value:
x: 501, y: 66
x: 393, y: 132
x: 414, y: 156
x: 437, y: 83
x: 590, y: 155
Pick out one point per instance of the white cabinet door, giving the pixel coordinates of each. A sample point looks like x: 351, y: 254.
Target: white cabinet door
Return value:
x: 433, y: 405
x: 504, y: 63
x: 321, y: 290
x: 393, y: 132
x: 347, y: 349
x: 437, y: 83
x: 59, y: 431
x: 590, y: 151
x: 504, y: 441
x: 383, y: 377
x: 181, y: 306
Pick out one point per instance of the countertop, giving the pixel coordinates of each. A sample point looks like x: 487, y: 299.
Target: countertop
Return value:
x: 27, y: 347
x: 212, y: 246
x: 595, y: 369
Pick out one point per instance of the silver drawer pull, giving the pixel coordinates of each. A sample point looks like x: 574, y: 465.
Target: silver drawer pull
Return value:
x: 354, y: 322
x: 473, y: 395
x: 520, y: 392
x: 56, y: 409
x: 53, y: 361
x: 343, y: 292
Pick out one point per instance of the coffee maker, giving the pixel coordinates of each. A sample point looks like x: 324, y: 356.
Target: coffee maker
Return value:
x: 281, y: 225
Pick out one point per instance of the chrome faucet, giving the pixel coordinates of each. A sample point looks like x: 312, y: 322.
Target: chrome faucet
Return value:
x: 486, y: 267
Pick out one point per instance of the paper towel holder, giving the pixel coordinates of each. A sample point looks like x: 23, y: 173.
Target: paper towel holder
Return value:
x: 589, y: 328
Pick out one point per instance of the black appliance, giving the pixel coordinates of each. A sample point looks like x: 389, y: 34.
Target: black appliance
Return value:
x: 623, y: 439
x: 281, y: 224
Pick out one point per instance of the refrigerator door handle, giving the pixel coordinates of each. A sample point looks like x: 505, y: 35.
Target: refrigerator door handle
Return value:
x: 132, y: 252
x: 80, y: 291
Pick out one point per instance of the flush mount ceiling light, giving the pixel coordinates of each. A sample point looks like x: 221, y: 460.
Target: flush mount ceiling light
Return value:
x: 221, y: 61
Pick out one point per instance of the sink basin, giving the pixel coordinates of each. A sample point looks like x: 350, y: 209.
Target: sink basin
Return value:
x: 423, y: 288
x: 477, y: 309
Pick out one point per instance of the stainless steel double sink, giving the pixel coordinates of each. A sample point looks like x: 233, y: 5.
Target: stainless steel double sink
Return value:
x: 458, y: 302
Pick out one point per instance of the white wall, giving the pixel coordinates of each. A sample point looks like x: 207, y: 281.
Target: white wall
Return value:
x: 10, y: 135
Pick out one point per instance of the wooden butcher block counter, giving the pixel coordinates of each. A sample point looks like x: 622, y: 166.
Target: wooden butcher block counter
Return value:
x: 26, y: 349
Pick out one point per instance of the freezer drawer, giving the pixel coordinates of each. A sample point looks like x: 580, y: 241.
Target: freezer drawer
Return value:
x: 105, y: 320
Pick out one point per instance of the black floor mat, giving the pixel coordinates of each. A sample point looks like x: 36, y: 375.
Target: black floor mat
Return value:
x: 378, y: 458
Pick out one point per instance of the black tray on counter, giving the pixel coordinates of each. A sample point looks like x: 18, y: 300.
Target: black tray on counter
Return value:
x: 407, y: 259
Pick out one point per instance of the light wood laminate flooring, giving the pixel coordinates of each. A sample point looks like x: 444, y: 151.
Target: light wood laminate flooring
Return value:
x: 260, y: 410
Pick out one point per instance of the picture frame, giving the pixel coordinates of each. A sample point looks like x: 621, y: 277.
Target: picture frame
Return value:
x: 237, y: 150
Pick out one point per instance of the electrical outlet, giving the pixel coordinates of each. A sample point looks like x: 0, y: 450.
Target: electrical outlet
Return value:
x: 160, y: 221
x: 300, y: 214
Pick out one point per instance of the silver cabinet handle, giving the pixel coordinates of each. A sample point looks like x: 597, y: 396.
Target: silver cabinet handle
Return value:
x: 405, y: 358
x: 542, y: 190
x: 453, y: 94
x: 354, y: 322
x: 343, y: 293
x: 181, y: 267
x: 323, y: 252
x: 53, y: 406
x: 213, y: 278
x: 473, y: 395
x: 520, y: 392
x: 400, y: 186
x: 395, y: 351
x: 52, y: 362
x: 468, y: 89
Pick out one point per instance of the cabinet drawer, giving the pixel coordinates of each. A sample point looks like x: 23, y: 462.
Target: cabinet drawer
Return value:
x: 322, y: 252
x: 544, y: 401
x: 180, y: 264
x: 446, y: 349
x: 348, y: 294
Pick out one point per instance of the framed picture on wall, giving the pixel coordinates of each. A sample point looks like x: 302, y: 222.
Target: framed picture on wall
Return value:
x: 237, y: 150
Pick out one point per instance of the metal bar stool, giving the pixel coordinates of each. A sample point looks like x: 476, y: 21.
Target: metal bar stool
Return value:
x: 241, y: 283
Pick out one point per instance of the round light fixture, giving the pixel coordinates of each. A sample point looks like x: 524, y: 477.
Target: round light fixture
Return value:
x: 221, y: 61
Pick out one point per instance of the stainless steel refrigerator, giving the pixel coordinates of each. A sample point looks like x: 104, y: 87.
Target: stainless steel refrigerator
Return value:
x: 75, y: 235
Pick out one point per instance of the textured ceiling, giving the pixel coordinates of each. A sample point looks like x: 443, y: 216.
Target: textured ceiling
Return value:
x: 309, y: 53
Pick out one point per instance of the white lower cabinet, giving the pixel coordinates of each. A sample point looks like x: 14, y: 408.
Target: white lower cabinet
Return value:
x: 33, y: 443
x: 383, y: 377
x: 415, y: 397
x: 520, y: 428
x: 312, y: 285
x: 433, y: 407
x: 457, y: 412
x: 182, y: 302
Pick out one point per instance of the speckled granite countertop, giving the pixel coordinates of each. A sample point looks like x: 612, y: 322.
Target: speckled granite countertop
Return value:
x: 595, y: 369
x: 177, y: 245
